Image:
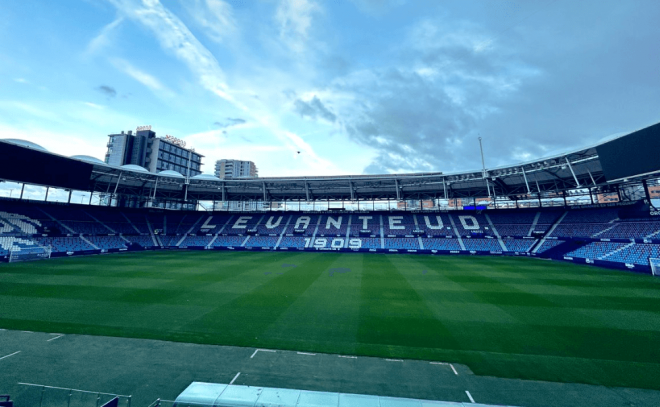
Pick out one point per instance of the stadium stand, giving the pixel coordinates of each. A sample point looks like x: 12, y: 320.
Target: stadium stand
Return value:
x: 197, y: 241
x: 229, y: 241
x: 549, y: 244
x: 602, y: 234
x: 261, y: 241
x: 288, y: 241
x: 441, y: 244
x: 108, y: 242
x: 482, y: 245
x: 405, y: 243
x: 519, y: 245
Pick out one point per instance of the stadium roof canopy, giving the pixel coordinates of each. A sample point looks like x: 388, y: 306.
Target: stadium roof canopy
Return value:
x: 628, y: 158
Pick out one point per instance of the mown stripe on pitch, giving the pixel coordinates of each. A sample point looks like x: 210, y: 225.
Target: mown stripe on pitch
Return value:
x: 244, y: 319
x: 393, y: 313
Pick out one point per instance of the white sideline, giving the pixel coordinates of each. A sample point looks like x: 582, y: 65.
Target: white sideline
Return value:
x: 469, y: 395
x: 57, y: 337
x: 394, y: 360
x: 305, y: 353
x: 347, y: 357
x: 10, y: 355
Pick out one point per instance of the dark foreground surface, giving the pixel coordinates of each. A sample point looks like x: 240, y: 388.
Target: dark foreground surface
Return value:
x: 150, y: 369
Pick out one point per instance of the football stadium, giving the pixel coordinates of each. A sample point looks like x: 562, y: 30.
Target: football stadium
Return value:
x: 532, y: 284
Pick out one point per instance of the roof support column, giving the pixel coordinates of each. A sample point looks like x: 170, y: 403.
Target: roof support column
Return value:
x: 155, y: 188
x: 23, y: 189
x: 592, y: 177
x: 114, y: 193
x: 398, y: 193
x: 263, y: 184
x: 526, y: 183
x: 307, y: 191
x: 224, y: 193
x: 572, y: 172
x: 350, y: 185
x: 46, y: 198
x: 444, y: 185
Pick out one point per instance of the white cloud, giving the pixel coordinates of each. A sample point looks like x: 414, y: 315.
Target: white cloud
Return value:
x: 21, y: 80
x: 144, y: 78
x: 215, y: 16
x: 294, y: 19
x: 104, y: 38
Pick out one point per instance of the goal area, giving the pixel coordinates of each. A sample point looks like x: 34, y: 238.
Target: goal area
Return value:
x: 28, y: 254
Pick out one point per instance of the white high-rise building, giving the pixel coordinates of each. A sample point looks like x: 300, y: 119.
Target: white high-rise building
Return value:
x: 228, y: 169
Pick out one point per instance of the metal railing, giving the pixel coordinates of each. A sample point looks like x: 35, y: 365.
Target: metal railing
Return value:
x: 53, y: 396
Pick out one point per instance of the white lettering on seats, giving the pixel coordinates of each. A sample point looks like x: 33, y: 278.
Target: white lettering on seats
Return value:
x: 206, y: 226
x: 394, y: 221
x: 435, y: 227
x: 336, y: 223
x: 241, y: 223
x: 365, y: 221
x: 24, y: 223
x: 269, y: 224
x: 472, y: 219
x: 303, y: 220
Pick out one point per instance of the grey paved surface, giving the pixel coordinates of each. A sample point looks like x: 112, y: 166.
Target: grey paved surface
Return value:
x: 148, y: 369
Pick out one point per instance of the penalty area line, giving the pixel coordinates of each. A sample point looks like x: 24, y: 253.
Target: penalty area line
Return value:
x: 469, y: 396
x: 261, y: 350
x: 305, y: 353
x: 57, y: 337
x: 394, y: 360
x: 238, y: 374
x: 4, y: 357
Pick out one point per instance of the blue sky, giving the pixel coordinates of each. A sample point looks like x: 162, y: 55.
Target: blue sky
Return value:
x: 364, y: 86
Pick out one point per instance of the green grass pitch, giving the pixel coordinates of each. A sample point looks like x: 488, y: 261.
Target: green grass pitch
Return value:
x: 507, y: 317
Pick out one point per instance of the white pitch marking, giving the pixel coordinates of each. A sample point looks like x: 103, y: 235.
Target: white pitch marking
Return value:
x: 452, y: 368
x: 57, y: 337
x: 439, y: 363
x: 394, y: 360
x: 28, y: 332
x: 305, y: 353
x: 238, y: 374
x: 10, y: 355
x: 347, y: 357
x: 469, y: 395
x: 262, y: 350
